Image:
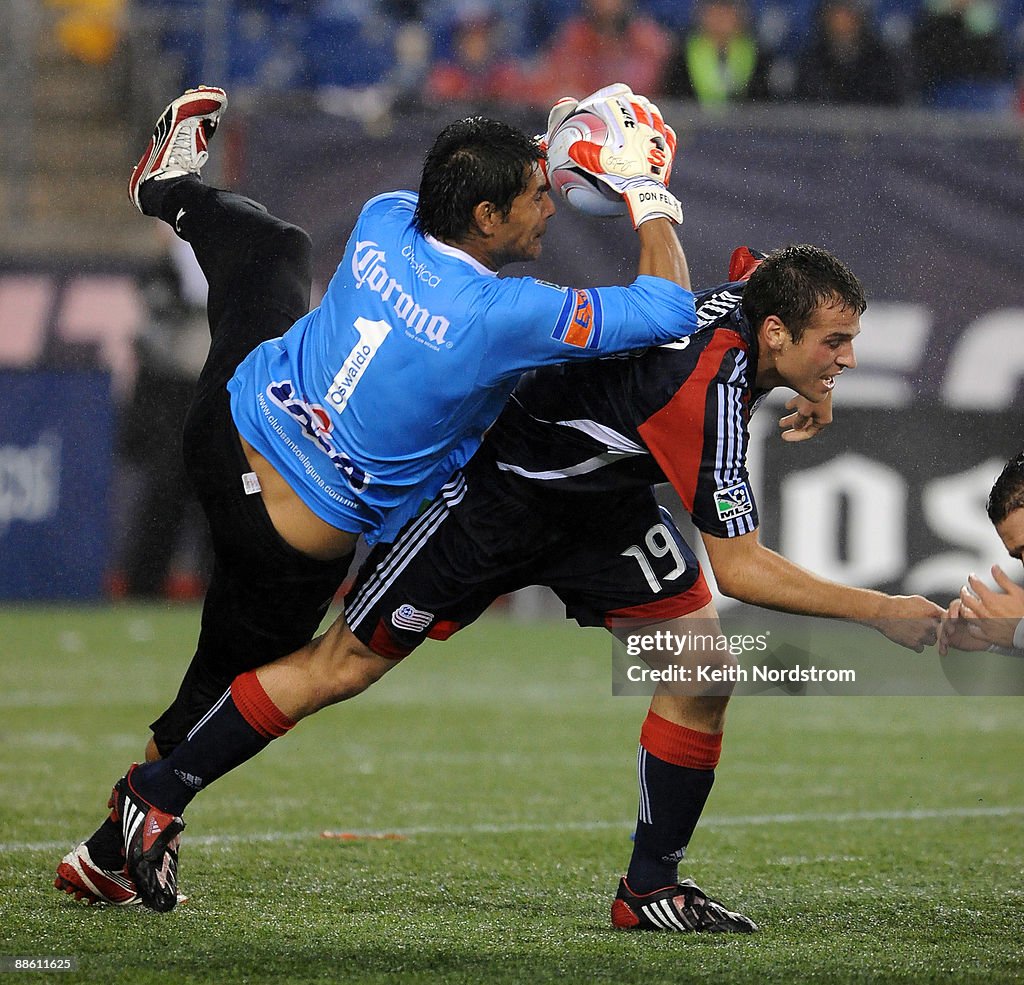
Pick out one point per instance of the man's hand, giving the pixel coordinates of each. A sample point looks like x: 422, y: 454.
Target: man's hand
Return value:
x: 910, y: 620
x: 955, y: 632
x: 807, y: 419
x: 636, y: 155
x: 992, y: 615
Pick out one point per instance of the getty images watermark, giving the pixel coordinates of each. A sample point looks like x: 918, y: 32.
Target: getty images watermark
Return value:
x: 693, y: 659
x: 707, y: 661
x: 795, y: 655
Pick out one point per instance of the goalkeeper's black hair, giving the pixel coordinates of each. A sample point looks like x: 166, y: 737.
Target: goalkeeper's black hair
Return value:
x: 472, y: 161
x: 793, y: 282
x: 1007, y: 492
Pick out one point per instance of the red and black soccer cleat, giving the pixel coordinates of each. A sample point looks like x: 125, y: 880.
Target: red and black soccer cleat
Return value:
x: 683, y: 908
x: 151, y: 839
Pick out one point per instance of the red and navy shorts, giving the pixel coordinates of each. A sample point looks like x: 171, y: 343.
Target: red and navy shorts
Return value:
x: 609, y: 556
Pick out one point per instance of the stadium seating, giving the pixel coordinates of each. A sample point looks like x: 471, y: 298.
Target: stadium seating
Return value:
x: 344, y: 43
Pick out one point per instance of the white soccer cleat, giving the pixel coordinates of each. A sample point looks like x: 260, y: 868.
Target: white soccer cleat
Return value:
x: 180, y: 139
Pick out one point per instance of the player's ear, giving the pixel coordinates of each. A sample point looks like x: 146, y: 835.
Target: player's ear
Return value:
x: 486, y: 215
x: 774, y: 333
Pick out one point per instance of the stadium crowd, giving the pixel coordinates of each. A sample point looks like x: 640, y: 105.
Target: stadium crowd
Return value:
x: 958, y: 54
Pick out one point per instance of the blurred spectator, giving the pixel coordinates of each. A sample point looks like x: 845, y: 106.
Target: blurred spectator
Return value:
x: 845, y: 61
x: 478, y: 70
x: 960, y: 56
x: 718, y: 61
x: 608, y: 41
x: 264, y: 50
x: 171, y: 347
x: 88, y: 29
x: 407, y: 77
x: 402, y: 11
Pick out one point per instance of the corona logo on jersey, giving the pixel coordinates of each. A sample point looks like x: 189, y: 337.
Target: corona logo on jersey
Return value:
x: 370, y: 270
x: 316, y: 427
x: 580, y: 320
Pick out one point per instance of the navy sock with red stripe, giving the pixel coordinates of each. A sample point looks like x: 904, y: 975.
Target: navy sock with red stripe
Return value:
x: 676, y: 769
x: 242, y: 723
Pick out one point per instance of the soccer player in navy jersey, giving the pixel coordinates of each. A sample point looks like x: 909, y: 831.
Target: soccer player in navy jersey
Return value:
x: 312, y: 428
x: 560, y: 495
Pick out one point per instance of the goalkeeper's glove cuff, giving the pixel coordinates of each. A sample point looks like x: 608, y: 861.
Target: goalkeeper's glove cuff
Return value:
x: 652, y: 200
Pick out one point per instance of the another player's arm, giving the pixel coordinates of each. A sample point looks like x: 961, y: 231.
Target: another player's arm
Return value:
x: 747, y: 570
x: 687, y: 437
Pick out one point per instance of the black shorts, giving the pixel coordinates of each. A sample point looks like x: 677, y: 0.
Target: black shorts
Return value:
x: 265, y: 599
x: 607, y: 556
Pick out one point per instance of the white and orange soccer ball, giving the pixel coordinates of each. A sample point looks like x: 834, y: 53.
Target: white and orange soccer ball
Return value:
x: 577, y: 186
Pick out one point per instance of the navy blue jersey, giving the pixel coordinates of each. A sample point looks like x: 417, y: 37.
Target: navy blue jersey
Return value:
x: 676, y: 413
x: 368, y: 403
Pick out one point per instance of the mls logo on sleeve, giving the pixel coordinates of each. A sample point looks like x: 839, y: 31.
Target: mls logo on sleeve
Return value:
x: 733, y: 502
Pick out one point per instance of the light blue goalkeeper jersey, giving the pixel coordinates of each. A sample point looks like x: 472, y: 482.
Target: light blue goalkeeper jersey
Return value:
x: 367, y: 404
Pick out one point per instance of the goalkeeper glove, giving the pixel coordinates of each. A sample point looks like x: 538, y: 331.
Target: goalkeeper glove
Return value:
x: 636, y: 156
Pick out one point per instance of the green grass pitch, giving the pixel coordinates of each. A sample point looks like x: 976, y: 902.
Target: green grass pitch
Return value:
x: 873, y: 839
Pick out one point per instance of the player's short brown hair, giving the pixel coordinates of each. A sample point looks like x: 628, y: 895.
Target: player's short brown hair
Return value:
x: 793, y: 282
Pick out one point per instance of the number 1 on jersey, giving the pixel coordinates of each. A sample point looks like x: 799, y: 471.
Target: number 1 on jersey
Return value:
x: 371, y: 337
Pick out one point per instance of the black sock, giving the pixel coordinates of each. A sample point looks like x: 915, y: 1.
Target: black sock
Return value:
x: 163, y: 198
x: 105, y: 846
x: 188, y: 205
x: 242, y: 723
x: 671, y: 800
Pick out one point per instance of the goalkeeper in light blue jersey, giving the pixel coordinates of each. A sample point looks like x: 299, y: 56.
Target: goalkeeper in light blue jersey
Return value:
x: 371, y: 401
x: 311, y: 429
x: 368, y: 403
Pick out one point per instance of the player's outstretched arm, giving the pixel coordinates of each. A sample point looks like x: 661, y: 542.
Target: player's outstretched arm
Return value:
x: 661, y: 254
x: 747, y: 570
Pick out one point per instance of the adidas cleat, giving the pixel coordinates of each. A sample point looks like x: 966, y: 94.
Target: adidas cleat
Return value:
x: 683, y: 908
x: 180, y: 139
x: 79, y: 876
x: 151, y: 838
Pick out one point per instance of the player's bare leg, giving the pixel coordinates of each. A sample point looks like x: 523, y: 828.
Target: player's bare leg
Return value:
x: 334, y: 667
